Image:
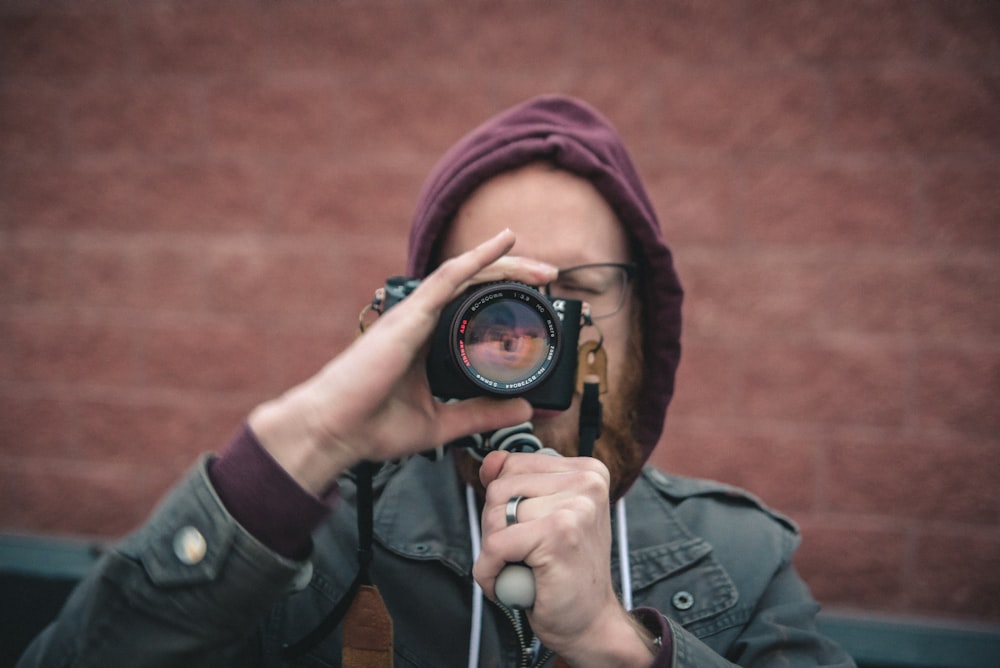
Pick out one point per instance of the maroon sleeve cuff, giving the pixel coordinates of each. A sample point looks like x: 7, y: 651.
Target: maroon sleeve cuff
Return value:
x: 657, y: 624
x: 265, y: 500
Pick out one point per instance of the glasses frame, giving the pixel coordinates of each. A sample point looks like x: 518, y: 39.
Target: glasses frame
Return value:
x: 631, y: 269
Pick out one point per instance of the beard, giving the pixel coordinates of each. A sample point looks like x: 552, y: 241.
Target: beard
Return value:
x: 616, y: 448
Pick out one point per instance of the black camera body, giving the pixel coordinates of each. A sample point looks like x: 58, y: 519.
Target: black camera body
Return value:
x: 503, y: 339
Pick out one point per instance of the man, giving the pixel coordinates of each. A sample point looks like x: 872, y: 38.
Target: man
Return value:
x: 244, y: 562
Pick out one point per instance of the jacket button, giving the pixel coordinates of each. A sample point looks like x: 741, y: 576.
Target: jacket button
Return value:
x: 190, y: 546
x: 683, y: 600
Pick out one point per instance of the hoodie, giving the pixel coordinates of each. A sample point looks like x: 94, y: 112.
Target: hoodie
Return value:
x: 573, y: 136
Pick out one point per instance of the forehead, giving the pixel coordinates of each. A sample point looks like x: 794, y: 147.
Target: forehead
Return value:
x: 557, y: 216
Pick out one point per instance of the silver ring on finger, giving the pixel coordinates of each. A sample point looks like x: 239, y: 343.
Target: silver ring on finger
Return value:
x: 512, y: 509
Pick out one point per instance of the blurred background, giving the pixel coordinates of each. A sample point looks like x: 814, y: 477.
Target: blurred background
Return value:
x: 197, y: 198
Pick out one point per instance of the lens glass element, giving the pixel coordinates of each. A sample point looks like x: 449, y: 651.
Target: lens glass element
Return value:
x: 507, y: 343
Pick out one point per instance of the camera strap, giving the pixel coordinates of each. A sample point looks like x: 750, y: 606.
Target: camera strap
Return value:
x: 590, y: 416
x: 367, y: 634
x: 591, y: 383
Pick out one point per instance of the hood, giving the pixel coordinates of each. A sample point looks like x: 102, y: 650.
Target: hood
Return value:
x: 576, y: 138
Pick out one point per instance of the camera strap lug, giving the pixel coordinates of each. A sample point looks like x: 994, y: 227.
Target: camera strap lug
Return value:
x: 375, y: 306
x: 592, y: 360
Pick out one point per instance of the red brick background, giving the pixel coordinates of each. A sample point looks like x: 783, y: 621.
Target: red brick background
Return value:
x: 196, y: 198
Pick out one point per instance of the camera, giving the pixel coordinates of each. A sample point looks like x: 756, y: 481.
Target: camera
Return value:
x: 503, y: 339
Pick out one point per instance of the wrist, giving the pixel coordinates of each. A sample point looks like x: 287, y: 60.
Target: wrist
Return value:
x: 620, y: 640
x: 264, y: 499
x: 284, y: 432
x: 652, y: 642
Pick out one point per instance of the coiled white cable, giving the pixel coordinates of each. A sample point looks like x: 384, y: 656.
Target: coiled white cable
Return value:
x: 476, y: 629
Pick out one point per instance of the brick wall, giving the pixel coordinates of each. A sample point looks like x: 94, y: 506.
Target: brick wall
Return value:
x: 196, y: 199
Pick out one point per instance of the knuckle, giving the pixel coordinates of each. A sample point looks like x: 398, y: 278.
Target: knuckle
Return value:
x: 597, y: 467
x: 564, y: 525
x: 592, y: 483
x: 585, y: 509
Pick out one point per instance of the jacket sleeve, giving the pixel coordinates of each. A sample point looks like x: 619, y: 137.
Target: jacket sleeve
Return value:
x: 187, y: 589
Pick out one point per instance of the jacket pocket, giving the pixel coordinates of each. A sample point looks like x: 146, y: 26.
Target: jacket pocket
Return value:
x: 684, y: 582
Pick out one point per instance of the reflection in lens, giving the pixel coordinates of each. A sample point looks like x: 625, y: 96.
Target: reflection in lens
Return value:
x: 507, y: 342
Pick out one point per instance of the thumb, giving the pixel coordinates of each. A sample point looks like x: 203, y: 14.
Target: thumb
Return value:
x: 492, y: 466
x: 471, y: 416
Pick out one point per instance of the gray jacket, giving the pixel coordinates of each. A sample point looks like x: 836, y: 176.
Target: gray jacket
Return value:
x: 710, y: 558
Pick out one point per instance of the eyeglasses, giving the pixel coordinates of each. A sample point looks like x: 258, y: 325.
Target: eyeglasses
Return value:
x: 603, y: 285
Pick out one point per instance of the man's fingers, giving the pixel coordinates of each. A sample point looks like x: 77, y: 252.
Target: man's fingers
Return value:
x: 523, y: 270
x: 415, y: 317
x: 523, y: 463
x: 455, y: 274
x: 485, y: 263
x: 491, y: 466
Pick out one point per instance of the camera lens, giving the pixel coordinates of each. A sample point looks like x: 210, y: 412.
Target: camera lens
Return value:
x: 505, y: 337
x: 506, y: 342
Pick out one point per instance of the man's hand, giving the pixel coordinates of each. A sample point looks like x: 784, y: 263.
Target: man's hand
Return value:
x: 563, y: 532
x: 373, y: 402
